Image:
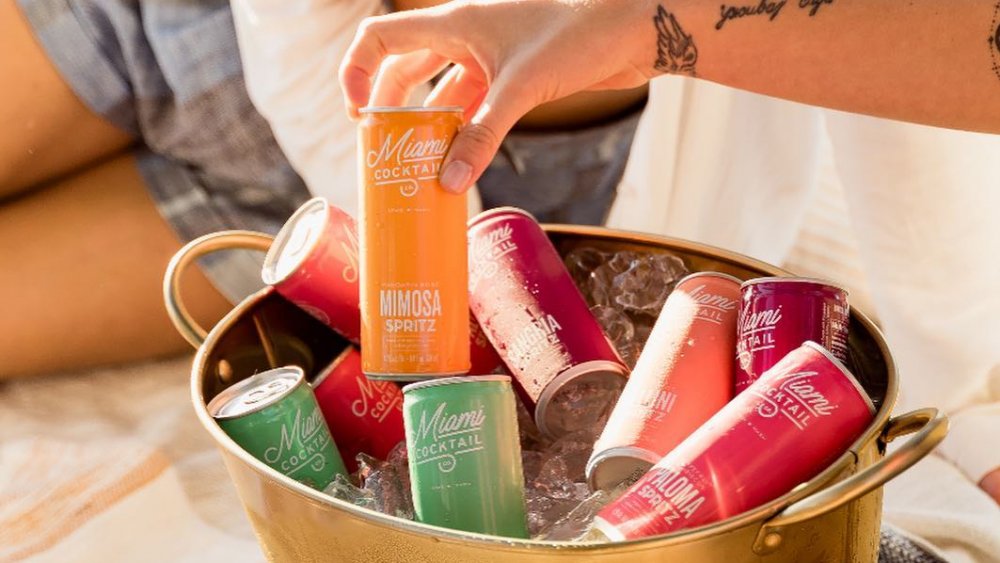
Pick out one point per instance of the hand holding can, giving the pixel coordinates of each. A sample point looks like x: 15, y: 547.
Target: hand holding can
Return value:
x: 414, y: 269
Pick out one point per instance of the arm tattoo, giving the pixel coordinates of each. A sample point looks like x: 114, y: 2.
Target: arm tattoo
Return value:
x: 676, y: 52
x: 994, y: 41
x: 769, y: 8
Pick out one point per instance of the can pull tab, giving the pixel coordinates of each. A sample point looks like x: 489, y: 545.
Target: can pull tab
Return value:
x: 928, y: 427
x: 214, y: 242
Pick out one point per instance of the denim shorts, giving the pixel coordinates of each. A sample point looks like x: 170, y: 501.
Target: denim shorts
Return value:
x: 168, y: 72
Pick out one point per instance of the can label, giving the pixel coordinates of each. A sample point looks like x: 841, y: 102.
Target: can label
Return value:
x: 444, y: 436
x: 365, y: 416
x: 684, y: 376
x: 465, y: 454
x: 414, y: 296
x: 779, y: 314
x: 532, y: 312
x: 805, y: 412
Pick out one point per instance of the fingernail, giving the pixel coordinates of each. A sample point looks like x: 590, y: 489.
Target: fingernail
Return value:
x: 455, y: 176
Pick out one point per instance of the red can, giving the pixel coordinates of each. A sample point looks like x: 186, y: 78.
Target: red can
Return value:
x: 538, y: 322
x: 684, y: 376
x: 792, y: 423
x: 779, y: 314
x: 364, y: 415
x: 313, y: 262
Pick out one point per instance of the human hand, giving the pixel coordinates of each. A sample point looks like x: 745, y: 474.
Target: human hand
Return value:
x: 991, y: 484
x: 510, y: 56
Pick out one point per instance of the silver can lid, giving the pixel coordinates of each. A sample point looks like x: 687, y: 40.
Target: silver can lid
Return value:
x: 794, y: 279
x: 256, y: 393
x: 454, y: 380
x: 295, y: 241
x: 505, y: 211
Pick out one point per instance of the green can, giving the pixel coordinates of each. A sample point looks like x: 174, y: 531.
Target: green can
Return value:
x: 465, y: 454
x: 274, y: 416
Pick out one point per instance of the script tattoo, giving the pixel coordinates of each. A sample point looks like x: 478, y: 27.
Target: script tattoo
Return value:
x: 769, y: 8
x: 813, y: 5
x: 676, y: 52
x: 994, y: 41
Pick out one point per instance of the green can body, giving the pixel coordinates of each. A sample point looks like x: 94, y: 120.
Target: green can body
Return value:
x: 275, y: 417
x: 465, y: 455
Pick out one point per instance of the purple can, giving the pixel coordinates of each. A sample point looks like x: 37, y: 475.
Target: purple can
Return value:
x: 530, y: 309
x: 778, y: 314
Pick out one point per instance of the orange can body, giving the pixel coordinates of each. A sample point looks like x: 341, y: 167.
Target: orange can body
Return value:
x: 414, y: 257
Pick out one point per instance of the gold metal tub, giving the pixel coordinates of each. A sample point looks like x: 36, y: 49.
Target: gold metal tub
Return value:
x: 834, y: 518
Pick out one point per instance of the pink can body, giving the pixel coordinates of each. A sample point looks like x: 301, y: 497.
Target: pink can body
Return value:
x: 530, y: 309
x: 365, y: 416
x: 683, y: 377
x: 313, y: 263
x: 792, y: 423
x: 778, y: 314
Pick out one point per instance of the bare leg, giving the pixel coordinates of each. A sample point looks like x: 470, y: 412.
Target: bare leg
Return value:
x: 83, y: 260
x: 47, y: 131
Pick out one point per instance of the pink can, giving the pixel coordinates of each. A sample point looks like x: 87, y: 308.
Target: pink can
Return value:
x: 313, y: 262
x: 779, y: 314
x: 539, y: 323
x: 683, y: 377
x: 792, y: 423
x: 364, y: 415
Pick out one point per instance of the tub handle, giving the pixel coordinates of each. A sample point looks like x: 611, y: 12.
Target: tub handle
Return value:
x: 213, y: 242
x: 929, y: 426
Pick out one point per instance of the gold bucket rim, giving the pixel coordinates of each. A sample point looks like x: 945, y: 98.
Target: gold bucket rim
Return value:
x: 880, y: 427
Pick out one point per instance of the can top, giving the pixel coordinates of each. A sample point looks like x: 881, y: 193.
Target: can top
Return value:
x: 712, y: 274
x: 453, y: 380
x: 410, y: 109
x: 256, y: 393
x: 295, y: 241
x: 497, y: 211
x: 850, y: 376
x: 790, y: 279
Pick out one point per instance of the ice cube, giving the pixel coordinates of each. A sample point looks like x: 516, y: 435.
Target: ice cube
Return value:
x: 388, y: 482
x: 342, y: 488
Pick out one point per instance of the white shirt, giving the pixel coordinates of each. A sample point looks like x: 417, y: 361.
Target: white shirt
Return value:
x: 741, y: 171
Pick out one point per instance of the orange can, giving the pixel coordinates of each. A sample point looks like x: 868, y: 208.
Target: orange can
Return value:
x: 414, y: 254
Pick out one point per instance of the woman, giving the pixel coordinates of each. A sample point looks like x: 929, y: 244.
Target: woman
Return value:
x: 913, y: 61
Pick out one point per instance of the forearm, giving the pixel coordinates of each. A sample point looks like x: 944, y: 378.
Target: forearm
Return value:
x: 923, y: 60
